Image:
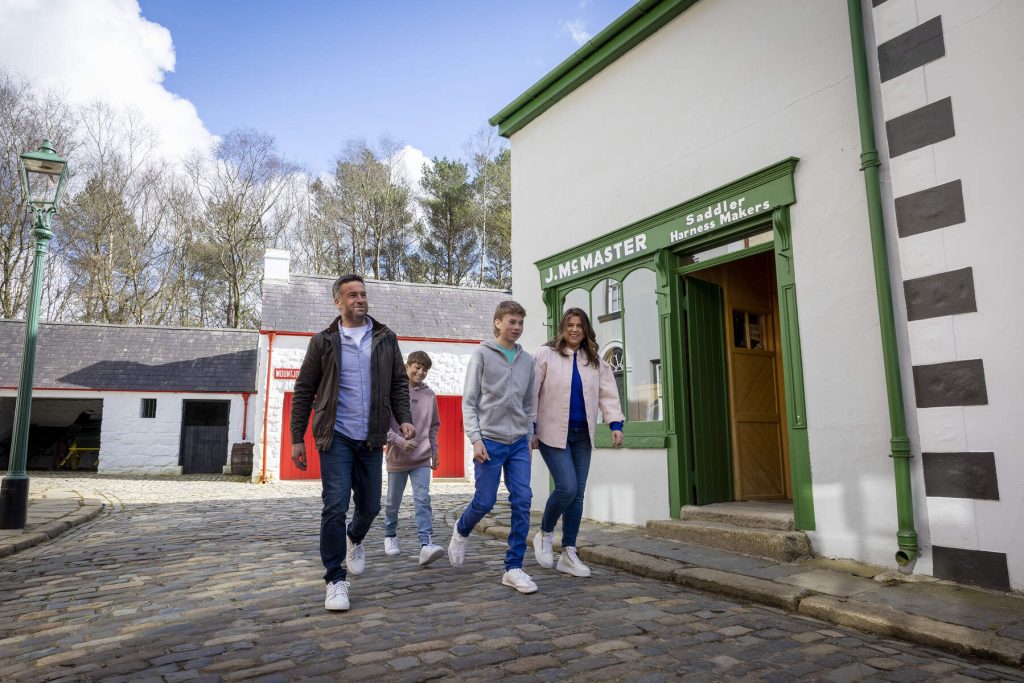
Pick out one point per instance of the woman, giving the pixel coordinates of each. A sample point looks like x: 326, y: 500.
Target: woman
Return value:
x: 571, y: 384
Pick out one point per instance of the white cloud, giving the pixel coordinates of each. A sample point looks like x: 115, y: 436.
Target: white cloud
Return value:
x: 577, y: 29
x: 101, y: 50
x: 410, y: 165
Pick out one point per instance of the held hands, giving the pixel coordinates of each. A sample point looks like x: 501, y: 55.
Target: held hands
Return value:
x: 408, y: 431
x: 410, y: 445
x: 534, y: 443
x: 617, y: 439
x: 299, y: 455
x: 480, y: 452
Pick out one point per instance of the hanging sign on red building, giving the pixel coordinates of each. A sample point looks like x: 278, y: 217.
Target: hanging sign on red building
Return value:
x: 286, y: 373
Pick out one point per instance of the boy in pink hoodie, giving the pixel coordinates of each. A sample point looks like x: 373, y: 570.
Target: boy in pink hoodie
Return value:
x: 414, y: 459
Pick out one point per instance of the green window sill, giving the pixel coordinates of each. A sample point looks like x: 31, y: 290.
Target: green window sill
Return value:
x: 648, y: 438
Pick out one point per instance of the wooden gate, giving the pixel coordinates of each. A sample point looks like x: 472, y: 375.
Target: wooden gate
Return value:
x: 451, y: 440
x: 288, y: 469
x: 204, y: 437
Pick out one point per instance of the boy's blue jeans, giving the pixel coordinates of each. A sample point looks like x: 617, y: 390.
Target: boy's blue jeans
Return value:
x: 420, y: 477
x: 348, y: 470
x: 569, y: 468
x: 514, y: 459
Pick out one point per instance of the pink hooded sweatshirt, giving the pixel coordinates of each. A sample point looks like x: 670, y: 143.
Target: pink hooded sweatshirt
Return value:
x: 427, y: 422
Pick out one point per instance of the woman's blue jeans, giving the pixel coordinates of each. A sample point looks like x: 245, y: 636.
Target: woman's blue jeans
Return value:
x: 569, y: 468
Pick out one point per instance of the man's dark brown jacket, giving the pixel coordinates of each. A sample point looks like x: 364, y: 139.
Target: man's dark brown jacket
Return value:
x: 316, y: 387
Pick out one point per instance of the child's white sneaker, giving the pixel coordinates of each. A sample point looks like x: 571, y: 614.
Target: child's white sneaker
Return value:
x: 569, y: 563
x: 337, y: 596
x: 457, y: 548
x: 429, y: 553
x: 542, y: 549
x: 520, y: 580
x: 355, y: 557
x: 391, y: 545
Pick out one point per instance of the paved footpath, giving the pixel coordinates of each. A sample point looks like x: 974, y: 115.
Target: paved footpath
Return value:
x: 184, y: 579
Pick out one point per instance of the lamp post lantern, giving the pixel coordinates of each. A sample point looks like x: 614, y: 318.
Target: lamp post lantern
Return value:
x: 43, y: 174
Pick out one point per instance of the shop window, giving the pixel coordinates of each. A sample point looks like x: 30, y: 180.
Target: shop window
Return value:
x: 746, y: 242
x: 613, y: 298
x: 577, y: 298
x: 643, y: 345
x: 148, y: 408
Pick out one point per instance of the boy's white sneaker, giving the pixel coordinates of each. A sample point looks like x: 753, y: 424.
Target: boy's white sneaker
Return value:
x: 337, y: 596
x: 429, y: 553
x: 355, y: 557
x: 391, y: 545
x: 520, y: 580
x: 569, y: 563
x: 542, y: 549
x: 457, y: 548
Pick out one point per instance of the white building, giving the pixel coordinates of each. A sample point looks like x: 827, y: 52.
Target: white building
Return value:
x: 144, y: 400
x: 693, y: 177
x: 445, y: 322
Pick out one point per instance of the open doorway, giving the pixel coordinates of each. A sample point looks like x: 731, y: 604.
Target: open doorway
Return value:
x: 63, y: 434
x: 734, y: 365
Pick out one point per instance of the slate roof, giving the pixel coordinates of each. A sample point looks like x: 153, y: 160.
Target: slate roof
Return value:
x: 304, y: 304
x: 126, y: 358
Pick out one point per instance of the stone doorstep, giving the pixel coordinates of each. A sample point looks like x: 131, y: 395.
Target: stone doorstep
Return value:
x: 843, y: 611
x: 776, y: 544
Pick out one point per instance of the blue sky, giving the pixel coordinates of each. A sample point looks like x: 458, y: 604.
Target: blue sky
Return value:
x: 313, y: 74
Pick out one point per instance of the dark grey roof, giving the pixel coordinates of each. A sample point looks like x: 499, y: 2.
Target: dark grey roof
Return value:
x: 115, y: 357
x: 304, y: 304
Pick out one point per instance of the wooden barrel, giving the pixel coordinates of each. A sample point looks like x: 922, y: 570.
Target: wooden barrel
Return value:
x: 241, y: 459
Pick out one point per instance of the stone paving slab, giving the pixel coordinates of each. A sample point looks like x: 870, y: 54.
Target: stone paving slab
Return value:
x: 221, y: 581
x: 959, y: 618
x: 51, y: 511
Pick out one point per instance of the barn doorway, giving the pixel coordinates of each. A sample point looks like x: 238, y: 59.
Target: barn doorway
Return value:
x: 204, y: 436
x: 63, y: 434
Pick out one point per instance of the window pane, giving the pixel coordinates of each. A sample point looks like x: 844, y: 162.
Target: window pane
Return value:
x: 643, y: 346
x: 577, y: 298
x: 747, y: 242
x: 608, y: 328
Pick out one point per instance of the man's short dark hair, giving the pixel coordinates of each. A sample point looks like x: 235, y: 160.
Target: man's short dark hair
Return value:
x: 343, y: 280
x: 420, y: 357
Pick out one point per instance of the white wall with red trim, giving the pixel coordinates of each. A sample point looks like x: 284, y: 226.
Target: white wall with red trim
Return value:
x: 449, y: 360
x: 132, y: 444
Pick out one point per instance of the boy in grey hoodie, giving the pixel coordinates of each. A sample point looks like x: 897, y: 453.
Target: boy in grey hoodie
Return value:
x: 414, y: 459
x: 497, y: 401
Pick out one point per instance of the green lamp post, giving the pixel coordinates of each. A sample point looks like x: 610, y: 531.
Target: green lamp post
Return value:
x: 43, y: 174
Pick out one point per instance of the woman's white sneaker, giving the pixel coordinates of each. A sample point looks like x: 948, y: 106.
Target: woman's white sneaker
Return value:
x: 520, y: 580
x: 355, y: 558
x: 391, y: 545
x: 542, y: 551
x: 337, y: 596
x: 457, y: 548
x: 569, y: 563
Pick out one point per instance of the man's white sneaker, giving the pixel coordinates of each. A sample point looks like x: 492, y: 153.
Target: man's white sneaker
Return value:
x: 457, y: 548
x: 542, y: 549
x: 355, y: 557
x: 429, y: 553
x: 391, y: 545
x: 337, y: 596
x: 520, y: 580
x: 569, y: 563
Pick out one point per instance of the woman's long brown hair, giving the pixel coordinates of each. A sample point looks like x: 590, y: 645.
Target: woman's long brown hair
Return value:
x: 589, y: 343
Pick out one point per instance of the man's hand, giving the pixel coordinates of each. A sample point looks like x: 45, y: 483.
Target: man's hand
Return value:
x: 408, y: 431
x: 410, y: 445
x: 299, y: 455
x: 617, y: 439
x: 433, y: 461
x: 480, y: 452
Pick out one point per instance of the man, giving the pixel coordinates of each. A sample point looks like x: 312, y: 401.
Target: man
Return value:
x: 354, y: 376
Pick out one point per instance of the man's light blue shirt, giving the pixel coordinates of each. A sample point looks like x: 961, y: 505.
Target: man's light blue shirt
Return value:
x: 353, y: 416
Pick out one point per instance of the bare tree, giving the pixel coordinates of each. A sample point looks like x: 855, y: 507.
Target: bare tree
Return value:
x: 481, y: 149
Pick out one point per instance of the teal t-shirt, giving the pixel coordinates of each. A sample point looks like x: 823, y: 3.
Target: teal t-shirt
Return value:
x: 509, y: 353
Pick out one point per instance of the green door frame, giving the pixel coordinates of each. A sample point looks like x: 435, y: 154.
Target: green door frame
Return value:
x: 720, y: 216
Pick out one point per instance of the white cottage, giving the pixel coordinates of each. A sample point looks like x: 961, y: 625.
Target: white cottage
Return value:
x: 120, y: 399
x: 792, y: 224
x: 446, y: 322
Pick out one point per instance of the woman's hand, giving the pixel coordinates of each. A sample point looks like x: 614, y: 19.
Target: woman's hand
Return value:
x: 617, y: 438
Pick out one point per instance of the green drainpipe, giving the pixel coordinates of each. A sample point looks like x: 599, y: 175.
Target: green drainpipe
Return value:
x: 900, y: 444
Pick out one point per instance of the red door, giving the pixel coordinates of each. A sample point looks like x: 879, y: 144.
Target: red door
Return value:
x: 288, y: 469
x: 451, y: 440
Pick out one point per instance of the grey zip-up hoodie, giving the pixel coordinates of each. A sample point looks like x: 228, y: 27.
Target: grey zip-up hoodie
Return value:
x: 497, y: 399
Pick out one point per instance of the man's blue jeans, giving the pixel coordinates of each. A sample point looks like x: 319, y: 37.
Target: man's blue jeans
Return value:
x: 514, y: 459
x: 348, y: 470
x: 420, y: 477
x: 569, y: 468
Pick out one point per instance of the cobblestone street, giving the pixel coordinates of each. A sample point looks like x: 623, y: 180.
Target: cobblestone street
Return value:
x: 219, y: 579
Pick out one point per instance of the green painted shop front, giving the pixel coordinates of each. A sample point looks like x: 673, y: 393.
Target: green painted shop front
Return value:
x: 661, y: 326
